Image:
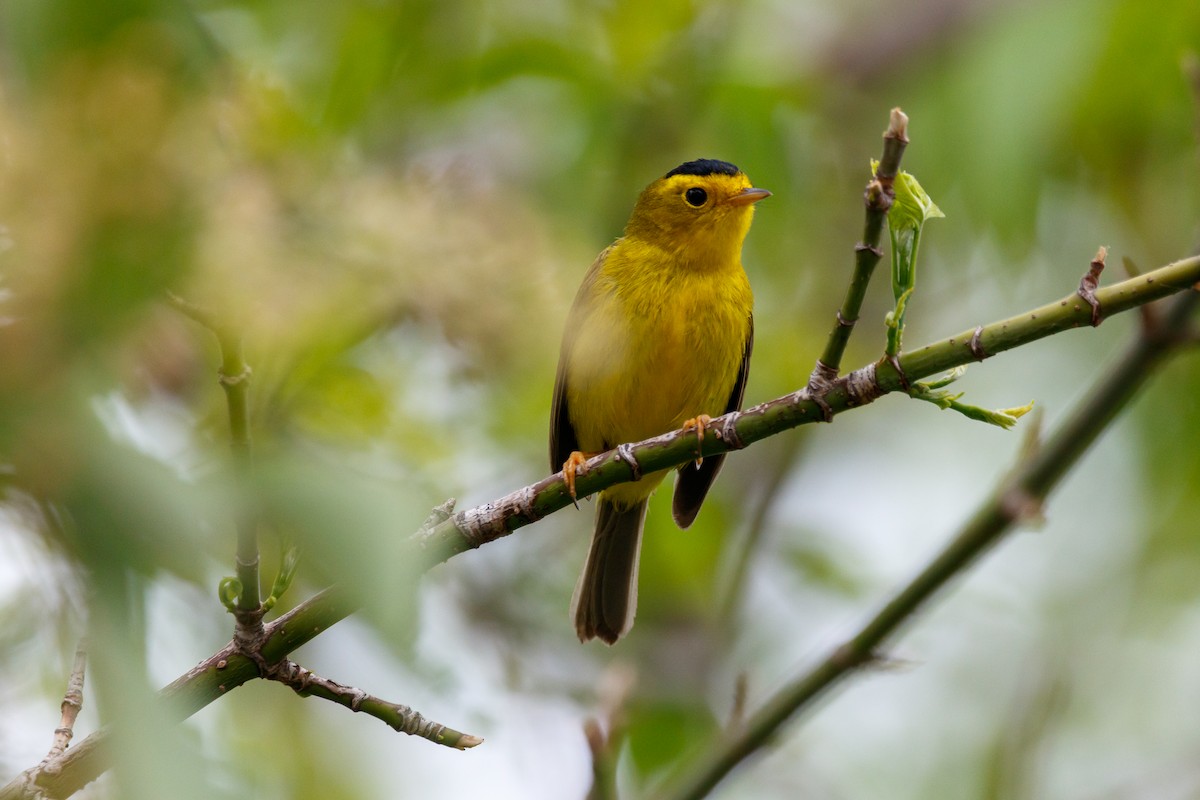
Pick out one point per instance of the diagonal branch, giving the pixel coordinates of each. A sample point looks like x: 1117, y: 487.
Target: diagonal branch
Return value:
x: 1018, y: 499
x: 465, y: 530
x: 400, y: 718
x: 477, y: 526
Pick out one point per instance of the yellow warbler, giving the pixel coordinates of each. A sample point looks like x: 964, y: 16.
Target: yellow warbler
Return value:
x: 658, y: 338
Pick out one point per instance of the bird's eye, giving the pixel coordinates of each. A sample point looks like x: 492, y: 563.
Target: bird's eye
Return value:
x: 696, y: 196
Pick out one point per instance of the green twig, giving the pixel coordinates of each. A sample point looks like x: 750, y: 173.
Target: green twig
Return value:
x: 1018, y: 498
x: 235, y: 380
x: 234, y: 376
x: 878, y: 199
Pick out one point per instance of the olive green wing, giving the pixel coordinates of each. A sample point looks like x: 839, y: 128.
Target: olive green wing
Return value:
x: 563, y: 440
x: 694, y: 481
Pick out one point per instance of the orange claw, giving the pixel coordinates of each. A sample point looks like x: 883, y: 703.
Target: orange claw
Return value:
x: 699, y: 424
x: 572, y: 466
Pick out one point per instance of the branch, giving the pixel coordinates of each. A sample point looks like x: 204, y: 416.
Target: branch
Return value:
x: 26, y: 784
x: 448, y: 535
x: 72, y: 704
x: 475, y: 527
x: 212, y: 678
x: 451, y: 534
x: 1018, y: 498
x: 403, y: 719
x: 877, y: 198
x: 234, y: 377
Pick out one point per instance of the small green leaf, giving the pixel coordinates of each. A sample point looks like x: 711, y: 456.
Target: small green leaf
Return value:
x: 944, y: 381
x: 911, y: 208
x: 1007, y: 417
x: 289, y: 561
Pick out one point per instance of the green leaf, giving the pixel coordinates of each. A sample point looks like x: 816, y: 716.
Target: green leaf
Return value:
x: 944, y: 381
x: 911, y: 208
x: 289, y: 561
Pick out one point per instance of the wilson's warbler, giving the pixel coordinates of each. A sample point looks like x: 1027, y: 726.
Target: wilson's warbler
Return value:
x: 658, y: 338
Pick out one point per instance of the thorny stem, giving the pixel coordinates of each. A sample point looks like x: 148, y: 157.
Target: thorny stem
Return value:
x: 1018, y: 498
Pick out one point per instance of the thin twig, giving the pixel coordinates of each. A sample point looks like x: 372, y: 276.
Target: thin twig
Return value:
x: 26, y: 784
x: 1018, y: 499
x: 877, y: 198
x: 234, y: 377
x: 72, y: 704
x: 401, y: 718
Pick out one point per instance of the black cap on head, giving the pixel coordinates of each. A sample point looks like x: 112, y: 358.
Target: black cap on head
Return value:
x: 704, y: 166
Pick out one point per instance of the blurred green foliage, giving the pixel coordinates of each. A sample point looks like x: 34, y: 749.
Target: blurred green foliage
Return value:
x: 393, y: 203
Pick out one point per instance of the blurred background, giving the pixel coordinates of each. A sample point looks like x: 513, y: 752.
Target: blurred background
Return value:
x: 394, y: 202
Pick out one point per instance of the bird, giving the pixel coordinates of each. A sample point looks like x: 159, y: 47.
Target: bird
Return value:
x: 658, y: 338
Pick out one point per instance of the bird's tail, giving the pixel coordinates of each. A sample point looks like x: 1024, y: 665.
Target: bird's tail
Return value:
x: 605, y: 598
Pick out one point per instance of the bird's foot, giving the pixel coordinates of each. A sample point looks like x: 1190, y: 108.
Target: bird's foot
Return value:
x: 576, y: 464
x: 699, y: 423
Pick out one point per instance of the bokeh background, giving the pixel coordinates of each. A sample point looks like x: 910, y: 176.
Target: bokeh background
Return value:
x: 393, y: 202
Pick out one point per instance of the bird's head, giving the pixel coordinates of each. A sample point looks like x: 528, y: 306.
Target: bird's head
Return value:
x: 700, y: 211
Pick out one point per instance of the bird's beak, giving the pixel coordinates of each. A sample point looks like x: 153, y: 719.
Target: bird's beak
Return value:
x: 747, y: 196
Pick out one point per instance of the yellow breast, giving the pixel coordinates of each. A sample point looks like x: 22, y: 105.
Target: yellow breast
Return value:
x: 656, y: 345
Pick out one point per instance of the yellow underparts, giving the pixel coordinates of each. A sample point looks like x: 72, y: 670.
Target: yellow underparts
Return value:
x: 660, y: 342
